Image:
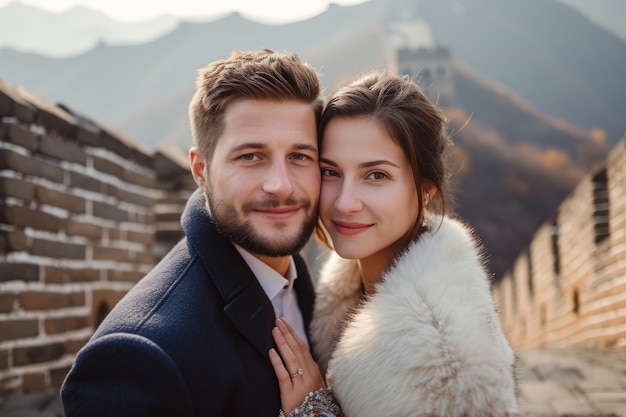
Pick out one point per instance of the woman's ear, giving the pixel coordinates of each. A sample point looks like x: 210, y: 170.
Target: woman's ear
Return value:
x: 198, y: 167
x: 428, y: 192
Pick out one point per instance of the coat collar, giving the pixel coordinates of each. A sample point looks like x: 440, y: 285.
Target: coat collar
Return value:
x: 245, y: 303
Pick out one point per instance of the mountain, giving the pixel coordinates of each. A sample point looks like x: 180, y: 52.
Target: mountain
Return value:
x: 29, y: 29
x: 608, y: 14
x: 532, y: 80
x: 548, y: 53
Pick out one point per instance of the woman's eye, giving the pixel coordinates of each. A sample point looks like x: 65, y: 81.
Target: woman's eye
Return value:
x: 326, y: 172
x: 377, y: 176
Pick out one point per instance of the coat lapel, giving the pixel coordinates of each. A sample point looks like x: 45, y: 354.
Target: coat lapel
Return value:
x: 245, y: 302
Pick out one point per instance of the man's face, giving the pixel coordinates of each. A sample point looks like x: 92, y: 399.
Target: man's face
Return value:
x: 263, y: 180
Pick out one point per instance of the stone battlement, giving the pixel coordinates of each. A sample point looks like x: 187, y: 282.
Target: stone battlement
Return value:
x: 84, y: 213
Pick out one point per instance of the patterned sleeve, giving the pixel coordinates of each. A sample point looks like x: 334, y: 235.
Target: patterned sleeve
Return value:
x: 320, y: 403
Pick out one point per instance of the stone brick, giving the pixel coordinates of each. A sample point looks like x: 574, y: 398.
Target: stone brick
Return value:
x: 88, y: 230
x: 113, y: 143
x: 57, y: 249
x: 15, y: 241
x: 57, y: 325
x: 108, y: 167
x: 103, y: 302
x: 140, y: 237
x: 49, y: 114
x: 7, y: 301
x: 62, y: 149
x: 30, y: 166
x: 83, y: 275
x: 144, y: 258
x: 19, y: 272
x: 12, y: 104
x: 168, y: 217
x: 21, y: 216
x: 109, y: 211
x: 134, y: 198
x: 47, y: 300
x: 74, y: 345
x: 29, y: 355
x: 21, y: 136
x: 105, y: 253
x: 18, y: 329
x: 13, y: 187
x: 144, y: 180
x: 72, y: 203
x: 57, y: 376
x: 53, y: 275
x: 145, y: 218
x: 9, y: 383
x: 125, y: 276
x: 4, y: 360
x: 34, y: 382
x: 85, y: 182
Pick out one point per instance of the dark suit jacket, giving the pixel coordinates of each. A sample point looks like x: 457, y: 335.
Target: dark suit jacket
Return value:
x: 190, y: 339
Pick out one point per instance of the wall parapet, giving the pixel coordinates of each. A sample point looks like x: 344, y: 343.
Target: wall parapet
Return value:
x: 85, y: 212
x: 569, y: 286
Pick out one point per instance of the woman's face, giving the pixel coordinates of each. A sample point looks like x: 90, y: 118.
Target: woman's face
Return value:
x: 368, y: 199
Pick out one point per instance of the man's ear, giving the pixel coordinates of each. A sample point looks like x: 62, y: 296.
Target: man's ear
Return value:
x: 197, y: 165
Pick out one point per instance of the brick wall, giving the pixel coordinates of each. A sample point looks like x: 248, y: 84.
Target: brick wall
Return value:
x: 569, y: 286
x: 84, y: 214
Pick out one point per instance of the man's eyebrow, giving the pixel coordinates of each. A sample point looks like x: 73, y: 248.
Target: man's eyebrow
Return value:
x: 306, y: 147
x: 249, y: 145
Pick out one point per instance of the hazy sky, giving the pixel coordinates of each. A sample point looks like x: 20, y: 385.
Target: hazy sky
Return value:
x: 279, y: 11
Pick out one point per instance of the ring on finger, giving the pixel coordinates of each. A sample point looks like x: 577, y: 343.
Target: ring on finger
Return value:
x: 298, y: 373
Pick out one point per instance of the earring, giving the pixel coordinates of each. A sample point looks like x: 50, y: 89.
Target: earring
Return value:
x: 427, y: 199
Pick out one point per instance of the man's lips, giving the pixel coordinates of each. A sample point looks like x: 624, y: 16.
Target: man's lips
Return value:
x: 350, y: 228
x: 278, y: 213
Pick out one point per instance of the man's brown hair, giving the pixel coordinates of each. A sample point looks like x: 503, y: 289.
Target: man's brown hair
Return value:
x: 263, y: 75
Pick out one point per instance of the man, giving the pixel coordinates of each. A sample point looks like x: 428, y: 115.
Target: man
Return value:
x: 192, y: 337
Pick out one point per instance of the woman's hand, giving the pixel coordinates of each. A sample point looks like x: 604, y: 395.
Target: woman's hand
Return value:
x: 299, y: 374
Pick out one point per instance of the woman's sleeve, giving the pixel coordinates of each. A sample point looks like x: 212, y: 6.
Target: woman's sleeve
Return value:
x: 320, y: 403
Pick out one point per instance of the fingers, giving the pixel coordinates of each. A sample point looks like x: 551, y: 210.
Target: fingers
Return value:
x: 288, y: 348
x: 284, y: 380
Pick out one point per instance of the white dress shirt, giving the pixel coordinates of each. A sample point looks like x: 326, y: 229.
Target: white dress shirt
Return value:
x: 279, y: 289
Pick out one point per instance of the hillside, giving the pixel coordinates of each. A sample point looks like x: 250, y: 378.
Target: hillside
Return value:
x: 26, y: 28
x: 527, y: 85
x: 513, y: 164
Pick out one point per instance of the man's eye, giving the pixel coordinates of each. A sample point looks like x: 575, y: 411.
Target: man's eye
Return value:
x: 248, y: 157
x: 300, y: 157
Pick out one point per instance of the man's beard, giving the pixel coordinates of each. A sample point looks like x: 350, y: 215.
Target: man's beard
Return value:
x: 228, y: 222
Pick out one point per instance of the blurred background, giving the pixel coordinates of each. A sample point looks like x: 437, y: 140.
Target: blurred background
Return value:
x: 534, y: 91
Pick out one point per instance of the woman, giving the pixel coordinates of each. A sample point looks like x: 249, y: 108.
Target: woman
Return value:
x: 404, y: 320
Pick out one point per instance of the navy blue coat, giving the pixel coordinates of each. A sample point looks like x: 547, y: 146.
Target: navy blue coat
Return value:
x: 190, y: 339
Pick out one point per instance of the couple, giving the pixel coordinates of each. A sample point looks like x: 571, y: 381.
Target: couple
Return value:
x: 401, y: 322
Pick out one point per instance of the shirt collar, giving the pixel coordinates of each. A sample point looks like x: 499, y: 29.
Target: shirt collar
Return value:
x: 271, y: 281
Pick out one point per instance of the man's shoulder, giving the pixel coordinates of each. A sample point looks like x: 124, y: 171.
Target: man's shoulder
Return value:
x: 177, y: 276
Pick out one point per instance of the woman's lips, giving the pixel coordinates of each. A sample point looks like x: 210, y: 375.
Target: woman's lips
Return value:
x: 350, y: 228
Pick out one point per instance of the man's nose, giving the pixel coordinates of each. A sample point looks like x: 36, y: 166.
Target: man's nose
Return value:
x: 278, y: 179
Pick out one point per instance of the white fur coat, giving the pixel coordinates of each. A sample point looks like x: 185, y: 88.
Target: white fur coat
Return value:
x: 427, y: 343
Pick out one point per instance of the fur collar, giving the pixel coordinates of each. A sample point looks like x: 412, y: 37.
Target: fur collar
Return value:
x: 427, y: 343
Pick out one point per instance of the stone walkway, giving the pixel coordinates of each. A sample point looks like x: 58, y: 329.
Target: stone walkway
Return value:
x: 569, y: 382
x: 572, y: 382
